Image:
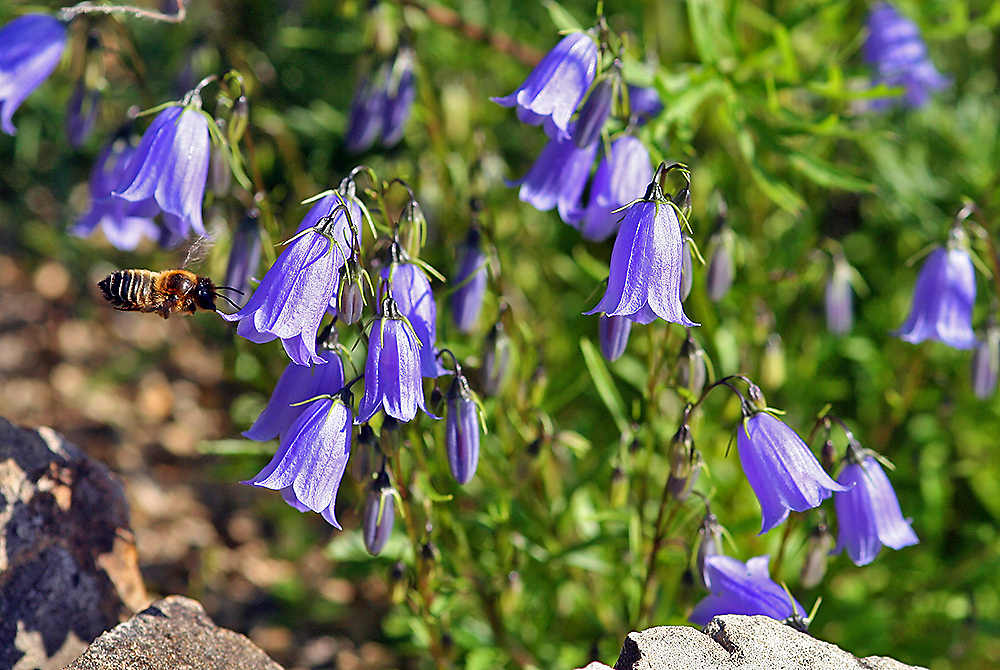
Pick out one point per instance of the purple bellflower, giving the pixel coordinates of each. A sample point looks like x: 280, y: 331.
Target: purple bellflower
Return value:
x: 898, y: 55
x: 400, y: 92
x: 558, y: 178
x: 124, y: 223
x: 645, y: 275
x: 467, y: 300
x: 743, y: 588
x: 619, y: 180
x: 81, y: 113
x: 294, y: 294
x: 312, y: 456
x: 556, y: 85
x: 297, y: 384
x: 595, y: 112
x: 411, y: 291
x: 168, y: 170
x: 943, y: 299
x: 782, y: 471
x: 868, y: 514
x: 30, y: 49
x: 461, y: 430
x: 392, y: 370
x: 985, y: 372
x: 244, y: 256
x: 613, y: 332
x: 645, y: 103
x: 366, y: 118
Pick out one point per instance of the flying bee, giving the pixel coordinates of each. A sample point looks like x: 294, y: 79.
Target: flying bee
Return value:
x: 168, y: 292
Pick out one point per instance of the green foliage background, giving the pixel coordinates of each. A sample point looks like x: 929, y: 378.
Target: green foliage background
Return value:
x: 540, y: 561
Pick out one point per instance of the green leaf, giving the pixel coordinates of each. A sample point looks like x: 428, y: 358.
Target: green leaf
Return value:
x: 563, y: 20
x: 604, y: 383
x: 827, y: 174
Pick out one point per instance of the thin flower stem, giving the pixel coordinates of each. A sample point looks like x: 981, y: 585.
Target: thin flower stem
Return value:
x: 90, y: 8
x: 645, y: 594
x: 784, y: 544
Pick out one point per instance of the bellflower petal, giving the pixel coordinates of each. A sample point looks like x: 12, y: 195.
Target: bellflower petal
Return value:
x: 366, y: 119
x: 170, y: 167
x: 556, y: 85
x: 868, y: 515
x: 81, y: 113
x: 898, y: 56
x: 311, y: 460
x: 244, y: 256
x: 613, y: 332
x: 782, y: 471
x: 411, y: 289
x: 594, y: 113
x: 400, y: 93
x: 743, y: 588
x: 558, y: 178
x: 30, y: 49
x: 621, y: 178
x: 392, y: 370
x: 462, y: 431
x: 645, y: 103
x: 943, y: 300
x: 467, y: 300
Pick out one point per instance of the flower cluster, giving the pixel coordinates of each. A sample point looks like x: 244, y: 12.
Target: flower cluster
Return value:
x: 382, y: 104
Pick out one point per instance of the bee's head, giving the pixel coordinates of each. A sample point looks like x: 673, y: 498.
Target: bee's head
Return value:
x: 204, y: 294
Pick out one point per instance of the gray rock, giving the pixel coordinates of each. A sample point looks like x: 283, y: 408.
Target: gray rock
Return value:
x: 736, y: 642
x: 68, y: 568
x: 171, y: 634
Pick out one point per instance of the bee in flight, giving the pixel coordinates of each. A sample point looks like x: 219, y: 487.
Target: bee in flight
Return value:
x: 168, y: 292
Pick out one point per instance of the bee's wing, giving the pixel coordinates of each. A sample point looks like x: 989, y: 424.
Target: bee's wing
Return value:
x: 197, y: 252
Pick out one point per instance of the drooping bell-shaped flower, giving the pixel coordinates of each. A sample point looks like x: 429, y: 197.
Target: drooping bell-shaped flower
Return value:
x: 943, y: 298
x: 169, y: 168
x: 868, y: 514
x: 685, y: 464
x: 81, y: 113
x: 692, y: 369
x: 645, y: 276
x: 621, y: 177
x: 496, y: 359
x: 294, y: 294
x: 817, y: 556
x: 897, y: 54
x: 645, y: 103
x: 467, y: 300
x: 784, y: 474
x: 595, y: 111
x: 124, y: 223
x: 400, y: 91
x: 244, y: 255
x: 839, y: 298
x: 461, y: 430
x: 411, y: 291
x: 296, y: 384
x: 556, y: 85
x: 721, y: 268
x: 312, y: 457
x: 378, y: 515
x: 30, y: 49
x: 392, y: 370
x: 986, y: 363
x: 743, y: 588
x: 366, y: 118
x: 613, y: 332
x: 558, y: 178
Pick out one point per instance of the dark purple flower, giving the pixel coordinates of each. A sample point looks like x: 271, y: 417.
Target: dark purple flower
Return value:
x: 943, y: 300
x: 30, y: 48
x: 743, y: 588
x: 645, y: 276
x: 868, y: 514
x: 558, y: 178
x: 411, y: 290
x: 169, y: 168
x: 645, y: 103
x: 986, y: 364
x: 392, y: 370
x: 81, y: 113
x: 124, y: 223
x: 461, y: 430
x: 613, y: 332
x: 297, y: 383
x: 379, y: 514
x: 594, y: 113
x: 244, y: 255
x: 312, y: 457
x: 294, y: 294
x: 782, y: 471
x: 400, y: 91
x: 621, y: 177
x: 366, y: 118
x: 556, y: 85
x: 467, y: 300
x: 898, y: 55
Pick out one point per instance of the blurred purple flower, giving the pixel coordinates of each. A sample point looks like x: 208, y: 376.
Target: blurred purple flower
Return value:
x: 645, y: 103
x: 400, y: 92
x: 461, y: 430
x: 743, y: 588
x: 782, y: 471
x: 839, y: 298
x: 124, y: 223
x: 868, y: 515
x: 558, y: 178
x: 986, y: 363
x: 30, y: 49
x: 411, y: 291
x: 312, y: 457
x: 81, y: 113
x: 613, y: 332
x: 621, y: 178
x: 392, y: 370
x: 296, y: 384
x: 169, y: 168
x: 366, y: 118
x: 467, y: 300
x: 378, y: 515
x: 244, y: 255
x: 898, y: 55
x: 645, y: 275
x: 556, y: 85
x: 943, y: 300
x: 594, y: 113
x: 294, y: 294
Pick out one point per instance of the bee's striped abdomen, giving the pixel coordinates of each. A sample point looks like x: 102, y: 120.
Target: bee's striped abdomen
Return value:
x: 128, y: 289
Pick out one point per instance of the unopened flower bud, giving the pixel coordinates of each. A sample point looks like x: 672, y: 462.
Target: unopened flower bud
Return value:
x: 986, y: 364
x: 467, y: 300
x: 817, y: 556
x: 709, y: 544
x: 496, y: 358
x: 400, y: 92
x: 683, y: 200
x: 685, y: 464
x: 351, y: 301
x: 82, y: 110
x: 828, y: 456
x: 613, y: 332
x: 687, y: 269
x: 462, y: 431
x: 390, y: 437
x: 219, y: 172
x: 692, y: 371
x: 379, y: 514
x: 363, y: 456
x: 244, y: 256
x: 413, y: 228
x: 594, y: 113
x: 839, y: 299
x: 721, y: 268
x: 238, y: 120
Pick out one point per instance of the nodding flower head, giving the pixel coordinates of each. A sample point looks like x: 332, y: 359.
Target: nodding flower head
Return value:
x: 293, y: 296
x: 620, y: 178
x: 462, y: 432
x: 30, y: 49
x: 645, y: 276
x: 467, y: 300
x: 411, y: 291
x: 743, y: 588
x: 897, y: 54
x: 558, y: 178
x: 554, y: 88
